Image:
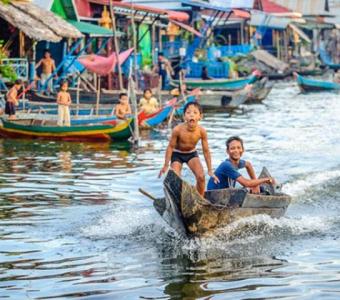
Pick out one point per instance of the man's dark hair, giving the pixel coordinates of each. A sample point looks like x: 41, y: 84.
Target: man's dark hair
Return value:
x: 122, y: 94
x: 234, y: 138
x: 18, y: 81
x: 194, y: 103
x: 160, y: 54
x: 47, y: 51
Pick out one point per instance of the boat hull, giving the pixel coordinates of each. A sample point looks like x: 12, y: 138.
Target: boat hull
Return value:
x: 192, y: 215
x: 92, y: 133
x: 230, y: 84
x: 307, y: 85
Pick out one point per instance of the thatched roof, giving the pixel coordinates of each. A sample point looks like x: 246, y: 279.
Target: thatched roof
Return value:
x: 37, y: 23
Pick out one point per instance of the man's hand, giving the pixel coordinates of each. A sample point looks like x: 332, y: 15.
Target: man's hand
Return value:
x: 163, y: 171
x: 211, y: 174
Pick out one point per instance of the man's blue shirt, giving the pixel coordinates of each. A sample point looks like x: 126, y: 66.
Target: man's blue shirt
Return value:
x: 227, y: 173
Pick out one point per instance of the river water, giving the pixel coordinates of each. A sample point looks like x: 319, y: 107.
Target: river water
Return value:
x: 72, y: 223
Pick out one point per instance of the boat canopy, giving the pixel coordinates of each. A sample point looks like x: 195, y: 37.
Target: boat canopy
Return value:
x: 141, y: 10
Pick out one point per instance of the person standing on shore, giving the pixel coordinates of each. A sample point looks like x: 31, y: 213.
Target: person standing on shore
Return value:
x: 48, y: 67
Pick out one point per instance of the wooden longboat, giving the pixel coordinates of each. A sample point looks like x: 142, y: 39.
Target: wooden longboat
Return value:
x: 84, y: 96
x: 184, y: 209
x: 230, y: 84
x: 37, y: 129
x: 312, y: 85
x: 259, y: 91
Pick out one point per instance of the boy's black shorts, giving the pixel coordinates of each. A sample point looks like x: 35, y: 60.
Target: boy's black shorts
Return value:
x: 9, y: 108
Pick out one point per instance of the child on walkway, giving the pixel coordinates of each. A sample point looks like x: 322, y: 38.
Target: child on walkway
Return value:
x: 64, y: 102
x: 227, y: 172
x: 11, y: 100
x: 182, y: 146
x: 123, y: 108
x: 148, y: 103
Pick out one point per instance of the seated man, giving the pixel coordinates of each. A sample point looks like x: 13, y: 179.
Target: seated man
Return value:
x: 227, y: 171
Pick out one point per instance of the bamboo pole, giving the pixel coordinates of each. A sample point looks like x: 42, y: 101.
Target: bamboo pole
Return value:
x: 98, y: 96
x: 134, y: 32
x: 116, y: 46
x: 78, y: 92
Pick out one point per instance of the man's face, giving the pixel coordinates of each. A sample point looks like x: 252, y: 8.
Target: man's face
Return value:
x: 47, y: 55
x: 235, y: 150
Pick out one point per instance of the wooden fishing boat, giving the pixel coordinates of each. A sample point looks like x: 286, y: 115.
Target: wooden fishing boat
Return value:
x: 312, y: 85
x: 230, y: 84
x: 190, y: 214
x: 37, y: 129
x: 85, y: 97
x: 224, y: 100
x: 259, y: 91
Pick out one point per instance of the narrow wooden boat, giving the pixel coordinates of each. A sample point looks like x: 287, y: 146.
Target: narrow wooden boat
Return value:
x: 224, y: 100
x: 84, y: 96
x: 312, y: 85
x: 230, y: 84
x: 35, y: 129
x: 155, y: 119
x: 193, y: 215
x: 259, y: 91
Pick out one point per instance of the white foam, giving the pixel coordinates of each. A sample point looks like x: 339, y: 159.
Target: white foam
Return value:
x: 251, y: 229
x: 299, y: 187
x: 121, y: 221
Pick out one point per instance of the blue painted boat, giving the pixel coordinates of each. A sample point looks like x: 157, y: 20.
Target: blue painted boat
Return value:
x: 216, y: 84
x: 155, y: 119
x: 312, y: 85
x: 327, y: 60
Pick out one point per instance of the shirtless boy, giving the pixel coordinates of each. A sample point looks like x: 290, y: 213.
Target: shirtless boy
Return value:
x: 48, y: 67
x: 11, y: 100
x: 182, y: 146
x: 228, y: 174
x: 123, y: 109
x: 64, y: 102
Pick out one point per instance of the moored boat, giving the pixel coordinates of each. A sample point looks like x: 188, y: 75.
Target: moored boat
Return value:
x: 38, y: 129
x: 313, y: 85
x: 193, y: 215
x: 230, y: 84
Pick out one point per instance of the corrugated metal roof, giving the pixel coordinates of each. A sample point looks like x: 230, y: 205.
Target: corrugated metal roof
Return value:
x: 261, y: 19
x: 91, y: 29
x: 272, y: 7
x: 306, y: 7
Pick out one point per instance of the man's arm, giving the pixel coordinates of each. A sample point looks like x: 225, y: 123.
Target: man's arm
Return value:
x: 171, y: 146
x: 38, y: 64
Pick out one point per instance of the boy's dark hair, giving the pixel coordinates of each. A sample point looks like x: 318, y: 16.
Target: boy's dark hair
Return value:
x: 147, y: 90
x: 160, y: 54
x: 234, y: 138
x: 122, y: 94
x: 47, y: 51
x: 18, y: 81
x: 194, y: 103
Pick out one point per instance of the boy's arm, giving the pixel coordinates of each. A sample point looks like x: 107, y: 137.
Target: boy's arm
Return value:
x: 38, y: 64
x: 207, y: 156
x: 58, y: 97
x: 252, y: 175
x: 251, y: 183
x: 129, y: 112
x: 169, y: 150
x: 69, y: 98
